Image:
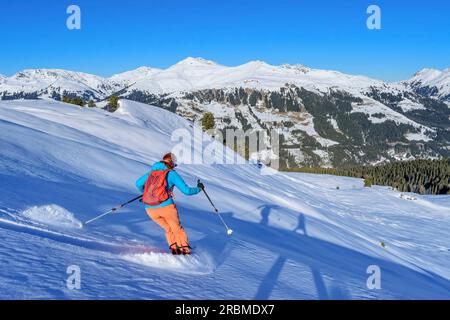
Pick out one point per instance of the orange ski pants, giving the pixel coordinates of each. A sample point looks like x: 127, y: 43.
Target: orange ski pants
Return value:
x: 168, y: 219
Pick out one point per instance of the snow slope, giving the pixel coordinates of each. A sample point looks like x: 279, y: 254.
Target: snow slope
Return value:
x: 296, y: 236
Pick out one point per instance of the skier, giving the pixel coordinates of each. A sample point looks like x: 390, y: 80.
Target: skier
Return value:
x: 157, y: 187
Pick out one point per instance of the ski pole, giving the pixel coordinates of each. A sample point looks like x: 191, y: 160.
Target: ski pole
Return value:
x: 229, y: 231
x: 112, y: 210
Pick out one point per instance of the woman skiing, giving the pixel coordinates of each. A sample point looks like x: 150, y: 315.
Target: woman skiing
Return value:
x: 157, y: 187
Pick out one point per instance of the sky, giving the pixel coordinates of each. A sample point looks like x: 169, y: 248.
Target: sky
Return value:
x: 117, y: 36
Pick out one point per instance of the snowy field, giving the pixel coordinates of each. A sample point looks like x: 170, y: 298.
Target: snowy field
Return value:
x: 296, y: 236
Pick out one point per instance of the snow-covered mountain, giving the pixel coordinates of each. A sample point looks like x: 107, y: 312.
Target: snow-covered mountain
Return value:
x: 192, y: 74
x: 326, y: 118
x: 296, y: 236
x: 131, y: 77
x: 431, y: 82
x: 54, y: 83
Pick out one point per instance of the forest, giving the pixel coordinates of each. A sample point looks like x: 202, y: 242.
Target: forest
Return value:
x: 419, y: 176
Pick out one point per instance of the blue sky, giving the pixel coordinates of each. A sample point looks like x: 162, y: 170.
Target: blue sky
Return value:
x: 116, y: 36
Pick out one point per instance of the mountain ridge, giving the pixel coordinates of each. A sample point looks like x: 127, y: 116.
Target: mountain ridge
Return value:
x: 147, y: 73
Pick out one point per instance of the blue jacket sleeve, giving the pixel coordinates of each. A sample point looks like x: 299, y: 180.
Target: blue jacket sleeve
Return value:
x: 140, y: 183
x: 175, y: 179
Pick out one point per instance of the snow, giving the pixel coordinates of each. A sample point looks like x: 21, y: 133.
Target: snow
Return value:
x: 52, y: 215
x: 41, y: 80
x: 296, y: 236
x: 371, y: 107
x: 190, y: 74
x: 432, y: 78
x: 196, y: 73
x: 335, y: 125
x: 195, y: 264
x: 133, y: 76
x: 408, y: 105
x: 193, y: 74
x: 307, y: 126
x: 420, y: 136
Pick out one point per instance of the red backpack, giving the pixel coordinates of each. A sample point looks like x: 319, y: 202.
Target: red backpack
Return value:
x: 155, y: 189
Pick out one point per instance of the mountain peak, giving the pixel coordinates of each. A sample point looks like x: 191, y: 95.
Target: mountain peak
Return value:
x: 257, y: 63
x: 142, y: 70
x: 191, y: 61
x: 138, y: 74
x: 426, y: 72
x: 42, y: 73
x: 438, y: 81
x: 145, y: 69
x: 30, y: 72
x: 432, y: 77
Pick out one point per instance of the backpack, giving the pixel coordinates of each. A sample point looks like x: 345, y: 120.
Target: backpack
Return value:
x: 155, y: 189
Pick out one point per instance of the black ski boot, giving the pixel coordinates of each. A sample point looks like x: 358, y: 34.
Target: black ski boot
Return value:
x: 175, y: 249
x: 185, y: 249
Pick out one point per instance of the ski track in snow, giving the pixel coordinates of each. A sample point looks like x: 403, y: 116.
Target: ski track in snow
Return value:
x: 136, y: 253
x: 295, y: 235
x: 198, y: 263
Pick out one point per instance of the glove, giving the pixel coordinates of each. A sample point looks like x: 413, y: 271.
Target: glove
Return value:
x: 200, y: 185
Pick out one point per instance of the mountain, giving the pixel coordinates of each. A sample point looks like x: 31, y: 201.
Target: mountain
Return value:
x: 198, y: 74
x: 130, y: 77
x: 328, y: 118
x: 296, y: 236
x: 54, y: 83
x: 325, y: 117
x: 432, y: 83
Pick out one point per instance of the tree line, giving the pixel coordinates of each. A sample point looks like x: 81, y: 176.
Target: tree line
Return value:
x: 78, y: 101
x: 112, y: 106
x: 419, y: 176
